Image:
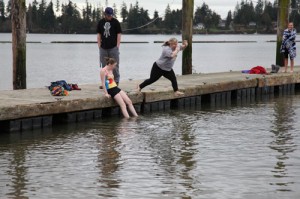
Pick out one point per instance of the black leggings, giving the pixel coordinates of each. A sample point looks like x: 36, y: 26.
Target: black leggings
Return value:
x: 156, y: 73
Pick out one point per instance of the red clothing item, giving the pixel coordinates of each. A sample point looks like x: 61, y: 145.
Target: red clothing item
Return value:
x: 258, y: 70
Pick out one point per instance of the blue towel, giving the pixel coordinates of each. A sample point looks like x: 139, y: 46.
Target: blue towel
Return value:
x: 289, y: 42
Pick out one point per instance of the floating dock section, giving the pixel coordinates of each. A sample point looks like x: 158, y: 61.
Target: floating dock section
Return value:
x: 36, y: 108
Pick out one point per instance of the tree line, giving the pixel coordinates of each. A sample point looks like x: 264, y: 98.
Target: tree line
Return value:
x: 42, y: 18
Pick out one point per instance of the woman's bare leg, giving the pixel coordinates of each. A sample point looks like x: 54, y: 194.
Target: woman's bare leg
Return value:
x: 286, y: 61
x: 292, y: 65
x: 122, y: 104
x: 128, y: 101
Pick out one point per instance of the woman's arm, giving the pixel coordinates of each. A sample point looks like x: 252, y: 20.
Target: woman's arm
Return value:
x: 184, y: 45
x: 175, y: 52
x: 179, y: 48
x: 102, y: 77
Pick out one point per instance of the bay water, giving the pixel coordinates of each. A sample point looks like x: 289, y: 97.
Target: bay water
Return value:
x: 79, y: 63
x: 235, y: 152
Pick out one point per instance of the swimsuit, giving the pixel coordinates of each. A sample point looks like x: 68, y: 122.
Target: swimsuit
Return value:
x: 110, y: 84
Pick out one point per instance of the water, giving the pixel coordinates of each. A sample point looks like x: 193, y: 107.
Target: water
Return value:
x: 79, y: 63
x: 239, y: 152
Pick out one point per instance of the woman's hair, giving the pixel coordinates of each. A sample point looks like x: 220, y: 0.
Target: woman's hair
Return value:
x: 172, y: 40
x: 110, y: 61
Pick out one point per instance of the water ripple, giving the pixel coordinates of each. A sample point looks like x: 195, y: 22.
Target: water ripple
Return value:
x: 239, y: 152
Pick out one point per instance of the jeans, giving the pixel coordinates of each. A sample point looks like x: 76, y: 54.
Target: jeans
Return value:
x: 111, y: 53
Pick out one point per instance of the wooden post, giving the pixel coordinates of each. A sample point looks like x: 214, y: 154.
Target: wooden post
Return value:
x: 18, y: 19
x: 282, y: 22
x: 187, y: 34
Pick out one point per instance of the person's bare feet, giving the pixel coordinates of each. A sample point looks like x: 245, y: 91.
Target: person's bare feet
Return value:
x: 138, y: 88
x: 178, y: 93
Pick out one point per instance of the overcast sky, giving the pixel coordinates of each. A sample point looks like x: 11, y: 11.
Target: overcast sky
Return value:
x: 219, y: 6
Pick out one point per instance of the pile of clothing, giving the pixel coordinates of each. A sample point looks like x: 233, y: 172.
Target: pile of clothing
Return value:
x: 258, y: 70
x: 62, y: 88
x: 262, y: 70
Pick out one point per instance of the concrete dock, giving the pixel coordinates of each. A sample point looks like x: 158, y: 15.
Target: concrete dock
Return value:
x: 37, y: 108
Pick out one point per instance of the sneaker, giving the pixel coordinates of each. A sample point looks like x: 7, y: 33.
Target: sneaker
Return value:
x: 75, y: 87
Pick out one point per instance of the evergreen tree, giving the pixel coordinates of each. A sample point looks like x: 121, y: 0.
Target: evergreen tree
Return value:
x: 70, y: 18
x: 206, y: 16
x: 116, y: 12
x: 177, y: 19
x: 41, y: 17
x: 294, y: 15
x: 87, y: 13
x: 271, y: 11
x: 158, y: 19
x: 94, y: 15
x: 8, y: 9
x: 57, y: 6
x: 168, y: 21
x: 2, y: 11
x: 50, y: 18
x: 215, y: 19
x: 124, y: 12
x: 144, y: 16
x: 34, y: 14
x: 41, y: 14
x: 259, y: 8
x: 244, y: 14
x: 98, y: 13
x: 137, y: 17
x: 228, y: 20
x: 132, y: 16
x: 29, y: 23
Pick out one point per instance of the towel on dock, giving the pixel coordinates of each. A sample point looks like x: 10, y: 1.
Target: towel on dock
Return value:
x: 258, y: 70
x: 288, y: 42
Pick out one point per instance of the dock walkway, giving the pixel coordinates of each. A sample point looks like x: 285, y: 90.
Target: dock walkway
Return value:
x: 36, y: 108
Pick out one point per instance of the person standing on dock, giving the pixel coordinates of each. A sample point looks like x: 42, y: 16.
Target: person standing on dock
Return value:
x: 164, y: 65
x: 112, y: 90
x: 109, y: 39
x: 288, y: 46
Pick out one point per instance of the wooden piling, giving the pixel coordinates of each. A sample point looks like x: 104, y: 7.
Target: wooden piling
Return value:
x: 282, y: 22
x: 187, y: 34
x: 19, y: 43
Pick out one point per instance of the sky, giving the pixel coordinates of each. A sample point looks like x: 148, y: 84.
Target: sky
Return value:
x: 219, y: 6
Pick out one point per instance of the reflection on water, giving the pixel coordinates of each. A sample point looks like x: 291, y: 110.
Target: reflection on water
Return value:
x: 211, y: 154
x: 108, y: 160
x: 283, y: 142
x: 18, y: 170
